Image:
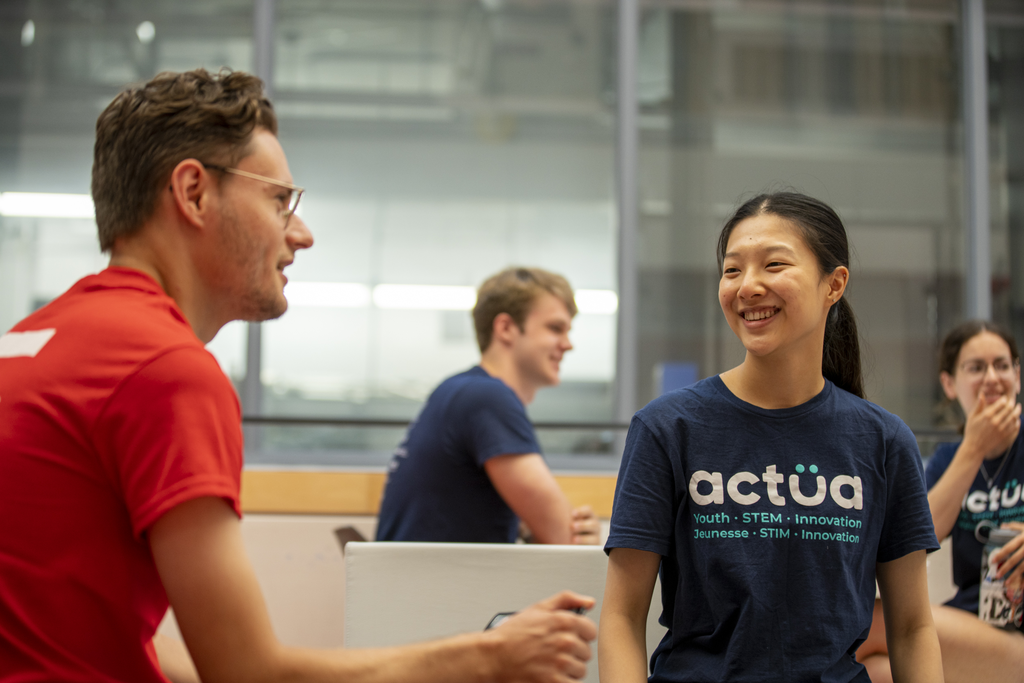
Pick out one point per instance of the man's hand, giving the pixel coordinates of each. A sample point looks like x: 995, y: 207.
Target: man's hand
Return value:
x: 586, y: 527
x: 544, y: 643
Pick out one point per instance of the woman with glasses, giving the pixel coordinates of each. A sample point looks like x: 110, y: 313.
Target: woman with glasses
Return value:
x: 974, y: 486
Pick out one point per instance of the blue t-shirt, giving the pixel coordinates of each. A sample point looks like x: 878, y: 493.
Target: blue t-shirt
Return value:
x: 437, y: 488
x: 996, y: 504
x: 769, y: 524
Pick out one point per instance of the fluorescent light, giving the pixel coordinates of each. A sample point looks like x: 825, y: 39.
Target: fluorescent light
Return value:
x: 597, y: 301
x: 327, y: 294
x: 146, y: 31
x: 28, y: 33
x: 46, y: 205
x: 431, y: 297
x: 419, y: 297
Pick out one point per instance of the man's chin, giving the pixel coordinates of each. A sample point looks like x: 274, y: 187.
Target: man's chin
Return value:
x: 265, y: 309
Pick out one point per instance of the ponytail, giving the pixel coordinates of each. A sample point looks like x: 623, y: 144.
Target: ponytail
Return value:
x: 840, y: 359
x: 823, y: 231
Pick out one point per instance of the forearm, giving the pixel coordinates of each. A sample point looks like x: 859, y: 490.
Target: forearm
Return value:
x: 174, y: 660
x: 909, y: 631
x: 946, y: 497
x: 622, y: 656
x: 550, y: 521
x: 914, y: 654
x: 467, y: 658
x: 627, y: 601
x: 527, y: 486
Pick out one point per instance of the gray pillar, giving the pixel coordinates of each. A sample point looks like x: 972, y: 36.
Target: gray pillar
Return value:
x: 627, y: 149
x: 263, y: 66
x: 263, y: 42
x: 978, y: 275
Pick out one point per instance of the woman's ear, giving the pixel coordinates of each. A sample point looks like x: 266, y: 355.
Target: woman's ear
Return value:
x: 948, y: 385
x: 837, y: 281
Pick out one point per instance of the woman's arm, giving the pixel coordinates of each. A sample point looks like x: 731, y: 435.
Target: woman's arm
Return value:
x: 991, y: 429
x: 622, y: 655
x: 909, y: 632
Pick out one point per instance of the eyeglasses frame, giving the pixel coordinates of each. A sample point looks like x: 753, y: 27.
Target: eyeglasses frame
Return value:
x: 1000, y: 373
x: 255, y: 176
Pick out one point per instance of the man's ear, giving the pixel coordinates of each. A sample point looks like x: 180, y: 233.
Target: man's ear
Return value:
x: 504, y: 329
x: 191, y: 186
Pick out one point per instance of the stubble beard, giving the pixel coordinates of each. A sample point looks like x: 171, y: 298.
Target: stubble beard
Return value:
x: 257, y: 297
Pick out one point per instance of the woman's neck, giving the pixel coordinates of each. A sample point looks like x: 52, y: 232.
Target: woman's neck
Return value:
x: 772, y: 382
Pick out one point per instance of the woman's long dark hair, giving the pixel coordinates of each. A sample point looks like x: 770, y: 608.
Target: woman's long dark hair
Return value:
x: 824, y: 234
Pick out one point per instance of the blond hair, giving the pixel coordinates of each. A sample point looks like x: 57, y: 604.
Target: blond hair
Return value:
x: 514, y: 291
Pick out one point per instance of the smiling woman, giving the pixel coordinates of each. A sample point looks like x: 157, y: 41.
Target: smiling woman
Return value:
x: 974, y: 487
x: 755, y: 572
x: 790, y: 246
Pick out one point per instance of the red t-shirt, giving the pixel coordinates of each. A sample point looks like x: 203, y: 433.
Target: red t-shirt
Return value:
x: 111, y: 413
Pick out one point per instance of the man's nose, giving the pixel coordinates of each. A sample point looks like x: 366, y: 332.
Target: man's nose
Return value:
x: 297, y: 234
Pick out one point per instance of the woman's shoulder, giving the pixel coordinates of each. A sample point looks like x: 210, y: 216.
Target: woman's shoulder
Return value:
x: 855, y: 404
x: 698, y: 402
x: 700, y: 392
x: 863, y: 414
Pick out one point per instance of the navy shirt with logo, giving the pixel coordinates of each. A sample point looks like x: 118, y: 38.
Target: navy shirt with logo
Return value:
x: 769, y: 524
x: 437, y: 488
x: 986, y: 505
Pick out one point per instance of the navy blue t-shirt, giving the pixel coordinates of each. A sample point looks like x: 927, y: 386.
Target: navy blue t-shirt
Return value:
x: 437, y: 488
x: 769, y: 524
x: 997, y: 504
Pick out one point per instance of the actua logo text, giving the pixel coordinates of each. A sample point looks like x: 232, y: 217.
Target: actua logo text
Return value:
x: 994, y: 499
x: 710, y: 488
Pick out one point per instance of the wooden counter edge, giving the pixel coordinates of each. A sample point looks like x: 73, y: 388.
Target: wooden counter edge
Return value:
x: 358, y: 493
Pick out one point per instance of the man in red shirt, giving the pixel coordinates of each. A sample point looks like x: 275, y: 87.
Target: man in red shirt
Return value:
x: 120, y: 445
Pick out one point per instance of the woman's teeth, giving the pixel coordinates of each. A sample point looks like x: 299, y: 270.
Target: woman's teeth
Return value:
x: 758, y: 315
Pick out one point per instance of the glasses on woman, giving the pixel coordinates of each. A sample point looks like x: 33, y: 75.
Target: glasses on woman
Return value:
x: 294, y: 195
x: 978, y: 368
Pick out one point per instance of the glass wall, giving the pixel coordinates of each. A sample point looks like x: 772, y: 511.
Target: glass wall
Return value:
x: 442, y: 140
x: 60, y: 65
x: 855, y: 105
x: 1006, y: 99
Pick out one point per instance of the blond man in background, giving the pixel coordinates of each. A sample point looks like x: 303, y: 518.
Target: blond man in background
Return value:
x: 470, y: 468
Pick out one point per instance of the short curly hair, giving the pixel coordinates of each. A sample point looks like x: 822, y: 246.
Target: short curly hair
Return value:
x: 149, y: 129
x: 514, y: 291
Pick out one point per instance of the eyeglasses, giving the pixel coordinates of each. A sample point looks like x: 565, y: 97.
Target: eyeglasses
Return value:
x: 293, y: 199
x: 978, y: 368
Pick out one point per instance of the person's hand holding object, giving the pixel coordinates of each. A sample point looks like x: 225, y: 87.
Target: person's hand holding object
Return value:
x: 544, y: 643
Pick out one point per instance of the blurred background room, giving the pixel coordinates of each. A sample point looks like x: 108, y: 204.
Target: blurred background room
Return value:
x: 441, y: 140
